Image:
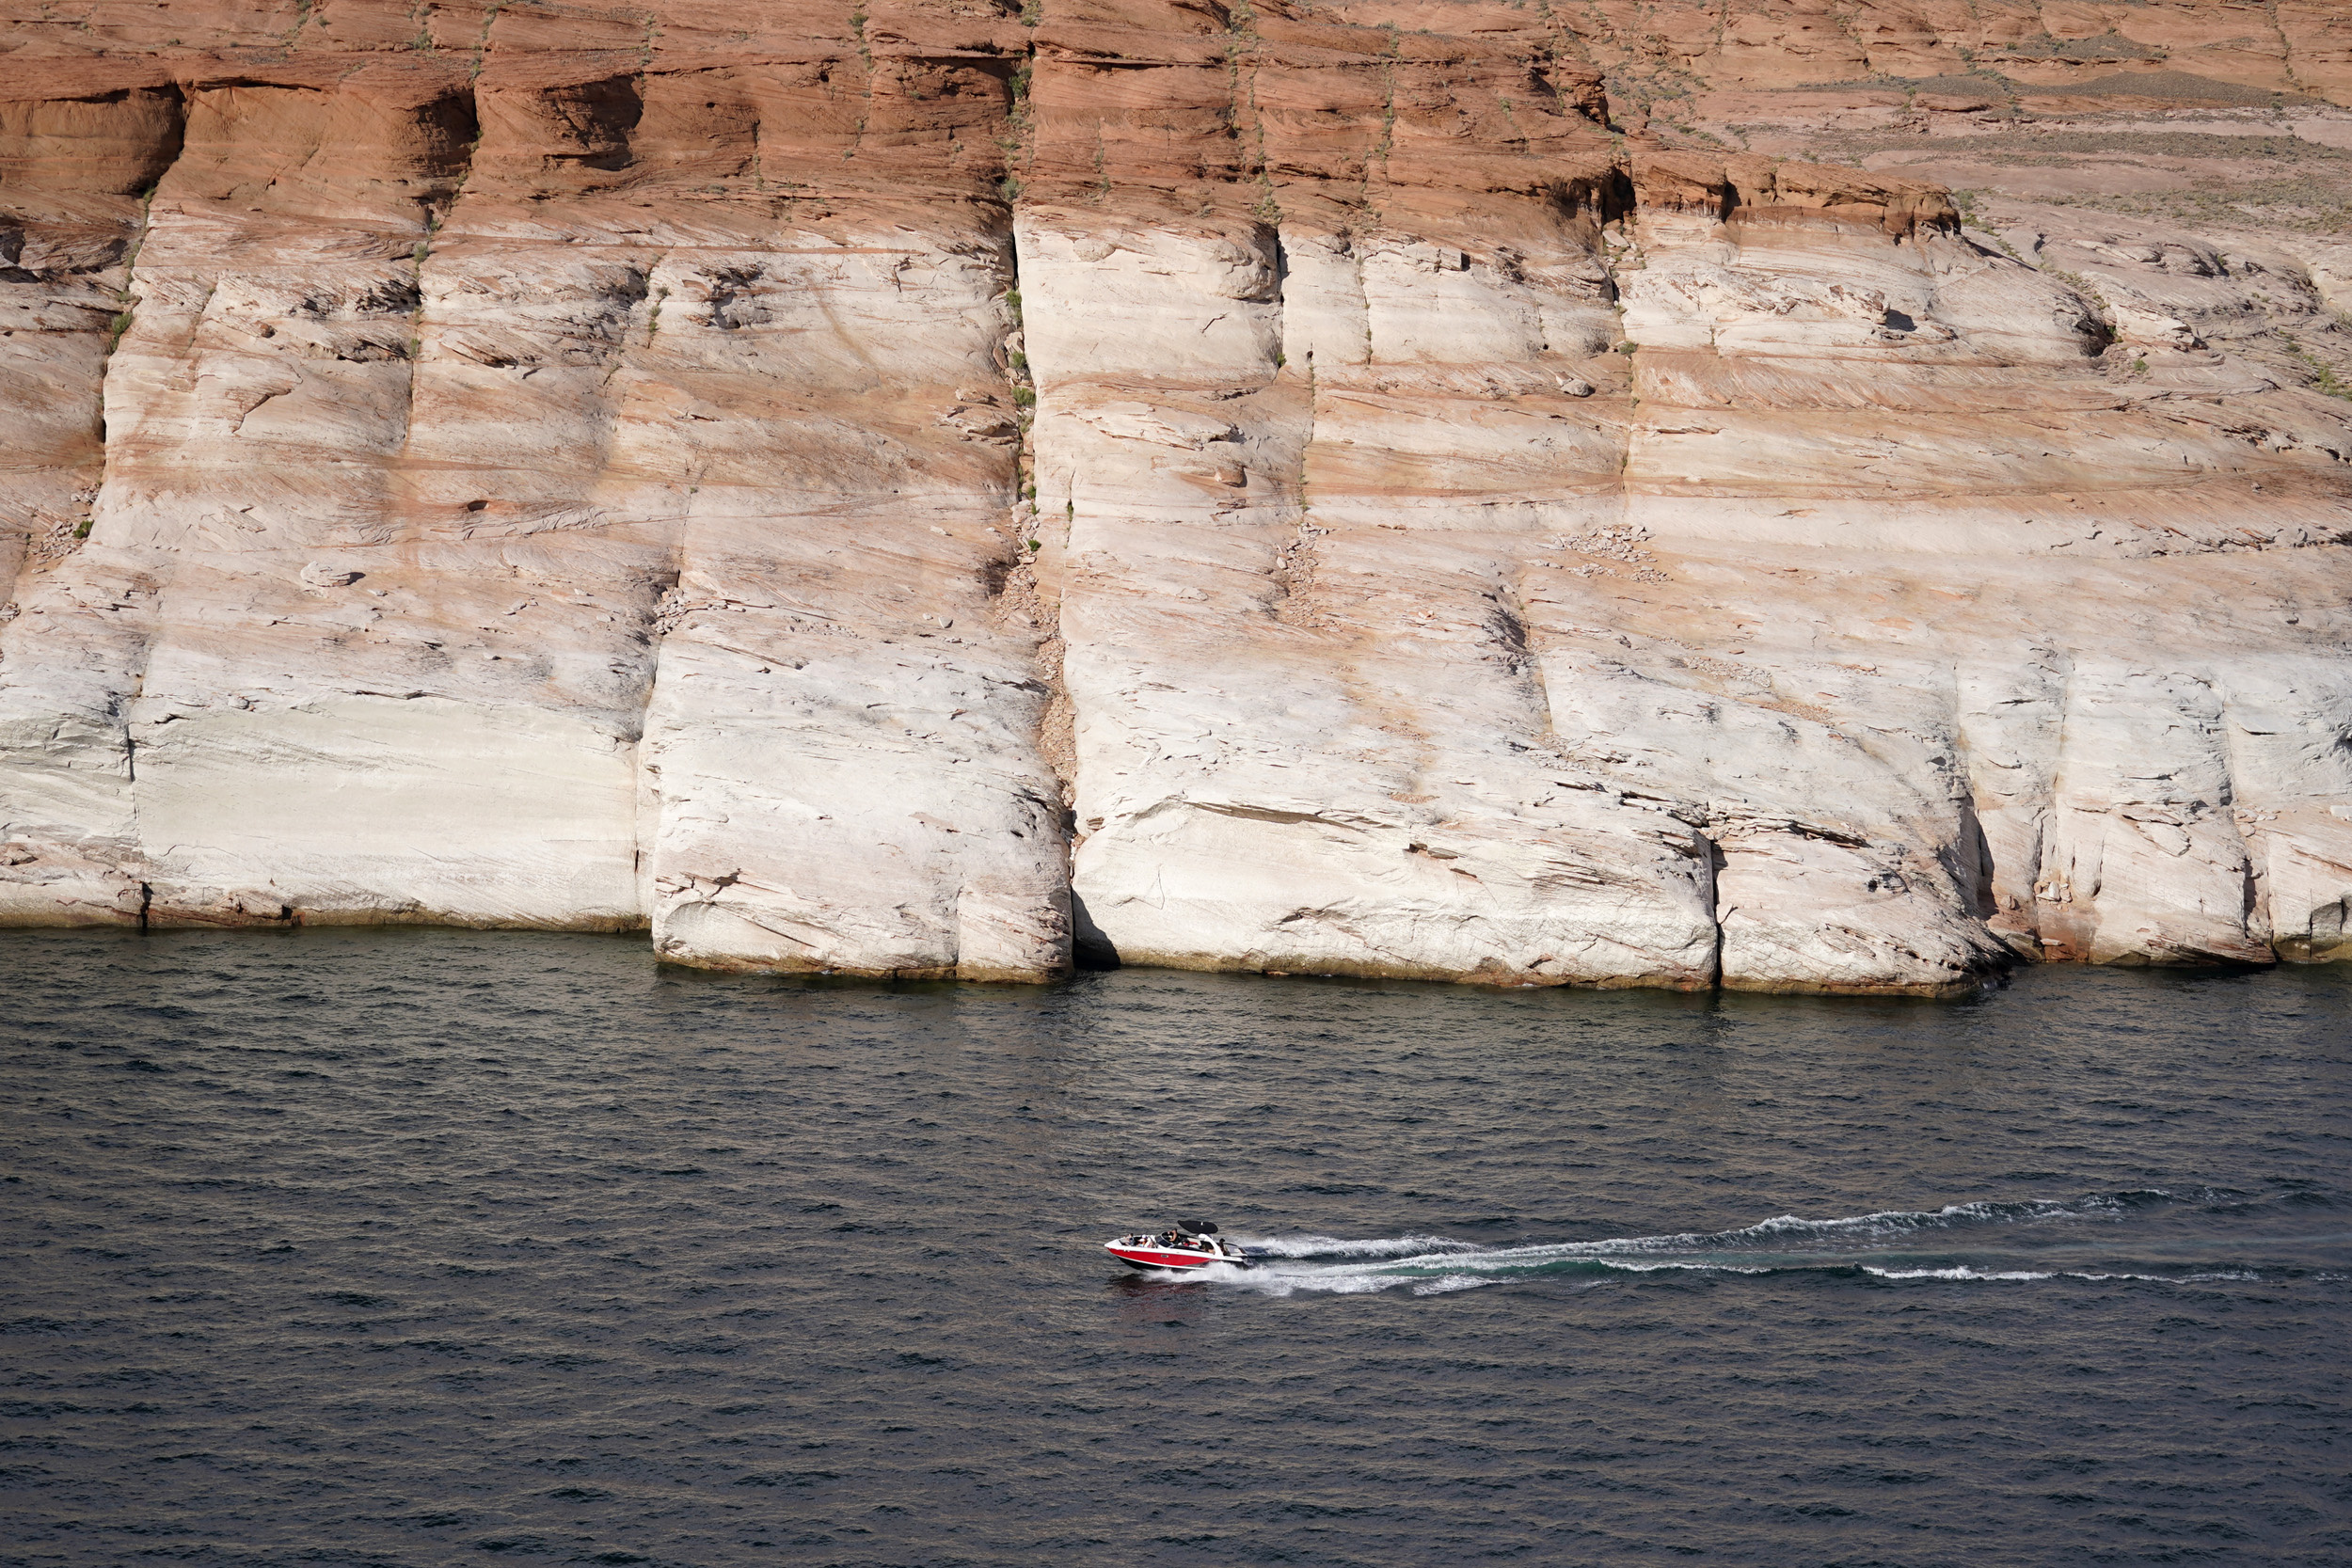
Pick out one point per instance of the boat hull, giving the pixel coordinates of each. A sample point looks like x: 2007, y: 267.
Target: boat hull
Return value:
x: 1171, y: 1259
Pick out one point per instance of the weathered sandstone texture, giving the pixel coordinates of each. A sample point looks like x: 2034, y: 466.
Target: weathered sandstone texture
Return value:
x: 1795, y: 495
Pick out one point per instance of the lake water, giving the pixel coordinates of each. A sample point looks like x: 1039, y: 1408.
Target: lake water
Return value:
x: 421, y: 1247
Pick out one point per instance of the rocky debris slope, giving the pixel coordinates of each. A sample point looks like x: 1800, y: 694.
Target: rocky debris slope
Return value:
x: 916, y: 489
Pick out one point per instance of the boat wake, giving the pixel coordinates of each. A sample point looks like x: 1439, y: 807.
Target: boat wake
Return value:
x: 2146, y: 1234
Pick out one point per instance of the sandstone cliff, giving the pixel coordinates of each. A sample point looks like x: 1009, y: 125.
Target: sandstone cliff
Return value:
x: 1521, y: 493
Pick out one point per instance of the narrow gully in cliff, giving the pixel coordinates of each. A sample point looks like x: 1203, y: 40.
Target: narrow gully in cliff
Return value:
x: 132, y: 680
x: 463, y: 130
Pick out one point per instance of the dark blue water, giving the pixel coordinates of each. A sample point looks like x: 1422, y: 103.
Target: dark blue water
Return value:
x: 433, y: 1247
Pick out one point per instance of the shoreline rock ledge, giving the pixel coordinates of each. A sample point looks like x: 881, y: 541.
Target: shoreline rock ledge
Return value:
x: 936, y: 489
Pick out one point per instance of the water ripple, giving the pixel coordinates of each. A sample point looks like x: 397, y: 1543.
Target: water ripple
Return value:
x: 427, y: 1246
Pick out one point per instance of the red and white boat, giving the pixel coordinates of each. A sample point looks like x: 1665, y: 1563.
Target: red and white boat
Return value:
x: 1190, y: 1246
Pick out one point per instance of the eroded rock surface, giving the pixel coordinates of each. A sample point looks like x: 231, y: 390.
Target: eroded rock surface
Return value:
x: 1445, y: 490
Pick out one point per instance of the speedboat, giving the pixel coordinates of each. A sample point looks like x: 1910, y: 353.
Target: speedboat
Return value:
x: 1190, y: 1246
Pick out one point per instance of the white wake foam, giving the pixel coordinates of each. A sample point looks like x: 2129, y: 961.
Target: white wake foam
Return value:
x: 1436, y: 1265
x: 1334, y: 1247
x: 1963, y: 1272
x: 1895, y: 1222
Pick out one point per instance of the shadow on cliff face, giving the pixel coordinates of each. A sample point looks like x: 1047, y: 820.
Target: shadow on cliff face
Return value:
x: 82, y: 131
x: 1090, y: 947
x: 593, y: 124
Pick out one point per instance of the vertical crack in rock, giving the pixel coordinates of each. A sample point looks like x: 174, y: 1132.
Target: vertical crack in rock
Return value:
x: 1712, y: 855
x: 460, y: 127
